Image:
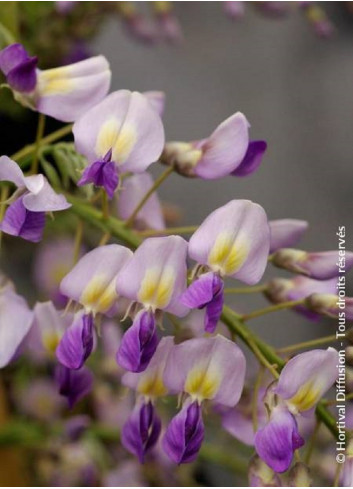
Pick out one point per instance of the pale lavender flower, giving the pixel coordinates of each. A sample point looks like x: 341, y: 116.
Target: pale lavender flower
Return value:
x: 64, y: 93
x: 286, y: 232
x: 123, y: 133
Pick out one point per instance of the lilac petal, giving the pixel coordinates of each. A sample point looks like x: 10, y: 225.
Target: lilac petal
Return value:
x: 102, y: 174
x: 286, y: 232
x: 277, y: 441
x: 12, y: 56
x: 141, y: 431
x: 139, y: 343
x: 77, y: 343
x: 252, y: 159
x: 73, y: 384
x: 18, y: 221
x: 156, y: 100
x: 46, y: 200
x: 15, y: 322
x: 185, y: 433
x: 23, y: 77
x: 11, y: 172
x: 206, y: 291
x: 307, y: 376
x: 204, y: 368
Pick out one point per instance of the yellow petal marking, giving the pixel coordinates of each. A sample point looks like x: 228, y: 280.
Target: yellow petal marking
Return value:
x: 50, y: 340
x: 227, y: 255
x: 152, y: 385
x: 202, y: 383
x: 55, y: 82
x: 98, y: 296
x: 306, y: 397
x: 119, y: 138
x: 156, y: 287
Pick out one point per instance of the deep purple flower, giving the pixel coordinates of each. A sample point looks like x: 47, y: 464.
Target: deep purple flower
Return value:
x: 185, y: 433
x: 77, y: 342
x: 277, y: 441
x: 138, y: 343
x: 252, y: 159
x: 102, y: 173
x: 141, y: 431
x: 73, y: 384
x: 206, y: 292
x: 18, y: 221
x: 19, y: 68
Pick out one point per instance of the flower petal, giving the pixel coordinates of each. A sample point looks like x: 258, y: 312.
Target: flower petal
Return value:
x: 46, y: 200
x: 286, y: 232
x: 252, y: 159
x: 73, y: 384
x: 18, y: 221
x: 11, y: 172
x: 102, y: 174
x: 157, y: 100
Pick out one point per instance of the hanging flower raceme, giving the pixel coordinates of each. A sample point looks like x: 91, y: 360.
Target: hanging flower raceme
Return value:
x: 155, y: 277
x: 142, y: 429
x: 320, y: 266
x: 64, y: 93
x: 281, y: 290
x: 90, y: 283
x: 123, y: 133
x: 25, y: 216
x: 203, y: 369
x: 286, y: 232
x: 302, y: 383
x: 133, y: 190
x: 214, y: 157
x: 233, y: 241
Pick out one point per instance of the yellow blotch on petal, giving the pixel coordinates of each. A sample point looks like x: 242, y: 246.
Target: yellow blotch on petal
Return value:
x: 306, y: 397
x: 55, y: 82
x: 119, y: 138
x: 202, y: 383
x: 98, y: 296
x: 50, y: 341
x: 227, y: 255
x: 156, y: 287
x: 152, y: 385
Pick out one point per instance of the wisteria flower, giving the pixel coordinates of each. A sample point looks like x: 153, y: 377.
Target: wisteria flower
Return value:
x: 25, y: 217
x: 64, y: 93
x: 286, y: 232
x: 123, y: 133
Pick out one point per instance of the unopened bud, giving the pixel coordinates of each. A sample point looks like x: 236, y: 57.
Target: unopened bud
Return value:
x: 182, y: 156
x: 299, y: 476
x: 260, y: 474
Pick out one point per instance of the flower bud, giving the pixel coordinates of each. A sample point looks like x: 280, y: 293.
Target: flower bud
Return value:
x: 299, y: 476
x: 260, y: 474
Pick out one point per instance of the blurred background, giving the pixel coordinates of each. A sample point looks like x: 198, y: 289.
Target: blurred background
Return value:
x: 296, y: 91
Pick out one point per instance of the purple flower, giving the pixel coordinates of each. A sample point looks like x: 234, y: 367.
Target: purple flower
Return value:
x: 64, y: 93
x: 206, y: 368
x: 139, y: 343
x: 15, y: 322
x: 185, y: 433
x: 252, y: 159
x: 141, y: 431
x: 101, y: 173
x: 233, y: 241
x: 77, y: 342
x: 277, y: 441
x: 234, y: 10
x: 156, y: 275
x: 133, y: 190
x: 73, y: 384
x: 206, y: 292
x: 123, y: 133
x: 19, y: 68
x: 320, y: 265
x: 286, y: 232
x: 91, y: 282
x: 25, y: 217
x: 214, y: 157
x: 306, y: 378
x: 283, y: 290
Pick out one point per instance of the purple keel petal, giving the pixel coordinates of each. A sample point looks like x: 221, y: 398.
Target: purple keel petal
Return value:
x: 102, y: 174
x: 73, y: 384
x: 184, y: 436
x: 23, y: 77
x: 77, y: 343
x: 139, y: 343
x: 18, y: 221
x: 12, y: 56
x: 141, y: 431
x: 252, y: 159
x: 277, y: 441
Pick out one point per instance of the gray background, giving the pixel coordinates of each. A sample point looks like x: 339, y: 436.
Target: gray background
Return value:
x: 296, y: 91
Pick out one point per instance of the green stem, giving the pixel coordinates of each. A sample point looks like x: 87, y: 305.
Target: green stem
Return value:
x: 168, y: 231
x: 308, y: 344
x: 151, y: 191
x: 105, y: 204
x: 312, y: 442
x: 39, y: 137
x: 276, y: 307
x: 246, y: 290
x: 30, y: 149
x: 78, y: 242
